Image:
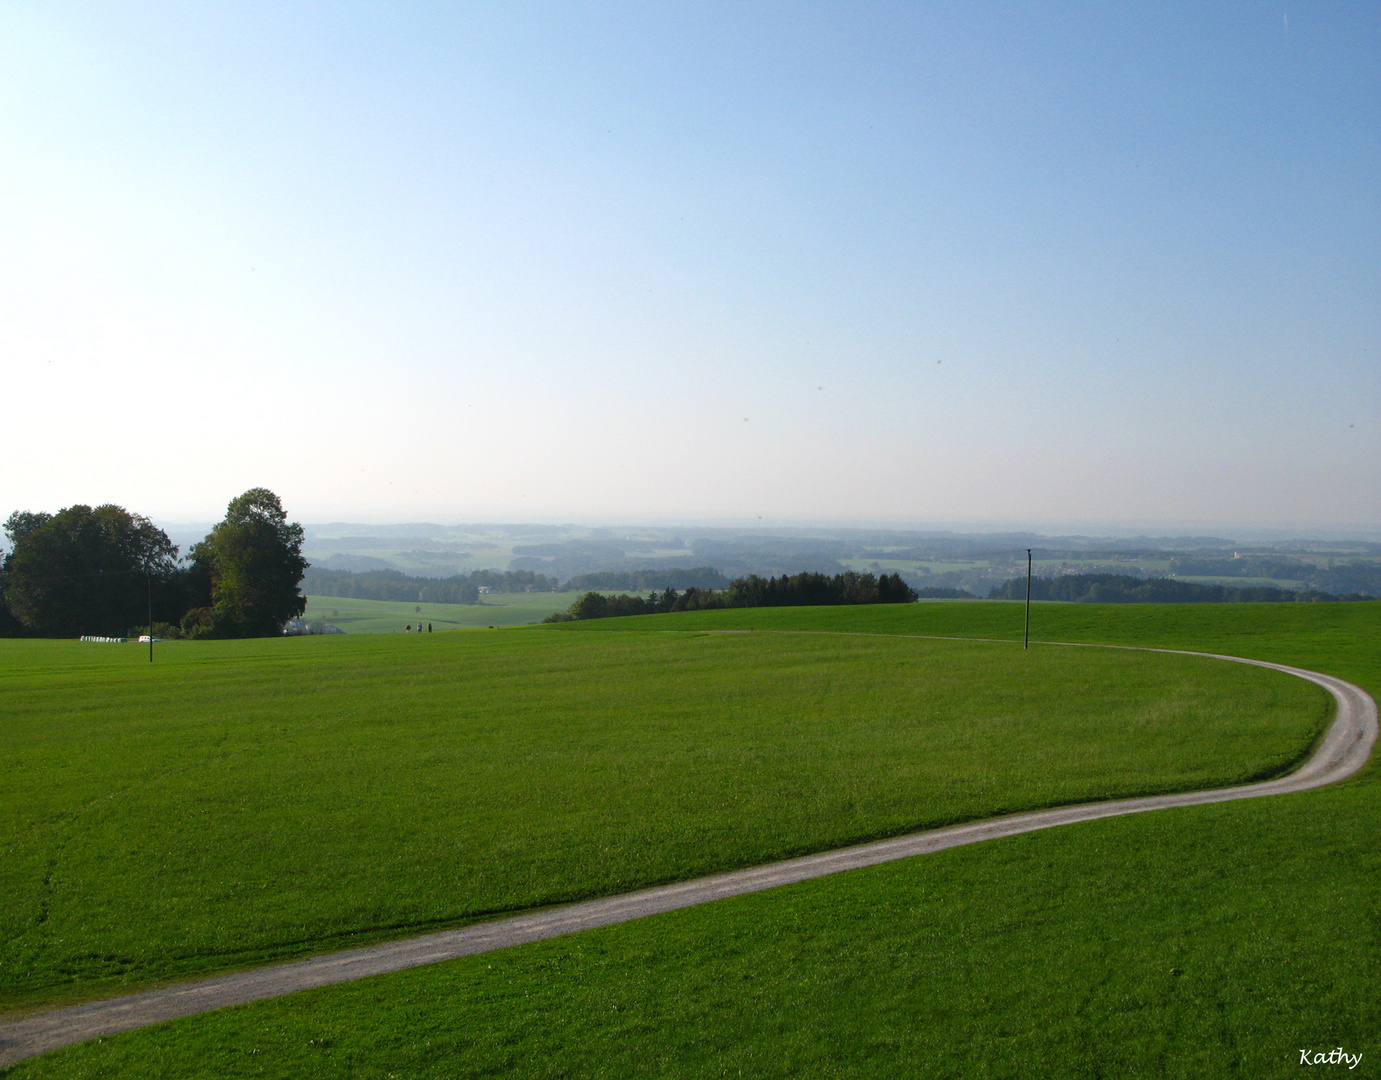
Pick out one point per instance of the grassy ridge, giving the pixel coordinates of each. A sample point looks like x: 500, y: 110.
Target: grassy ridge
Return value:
x: 240, y: 801
x: 1208, y: 941
x: 1329, y: 631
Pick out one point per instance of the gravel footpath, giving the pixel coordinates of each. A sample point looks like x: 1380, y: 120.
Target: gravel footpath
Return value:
x: 1344, y: 749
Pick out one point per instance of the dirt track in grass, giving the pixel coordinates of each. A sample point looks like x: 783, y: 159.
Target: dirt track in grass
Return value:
x: 1344, y: 749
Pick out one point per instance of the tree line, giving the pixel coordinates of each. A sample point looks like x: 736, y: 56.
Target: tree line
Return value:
x: 106, y: 572
x: 395, y: 585
x: 796, y: 590
x: 1339, y: 578
x: 1125, y: 589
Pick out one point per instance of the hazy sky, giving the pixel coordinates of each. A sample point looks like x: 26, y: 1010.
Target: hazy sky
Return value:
x: 1028, y: 264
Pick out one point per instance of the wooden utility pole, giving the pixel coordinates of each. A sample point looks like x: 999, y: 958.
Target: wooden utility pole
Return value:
x: 1026, y: 644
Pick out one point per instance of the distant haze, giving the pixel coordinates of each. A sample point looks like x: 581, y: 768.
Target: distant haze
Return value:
x: 1105, y: 269
x: 643, y: 557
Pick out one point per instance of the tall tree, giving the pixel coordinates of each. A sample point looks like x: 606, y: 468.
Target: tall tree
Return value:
x: 255, y: 562
x: 85, y: 571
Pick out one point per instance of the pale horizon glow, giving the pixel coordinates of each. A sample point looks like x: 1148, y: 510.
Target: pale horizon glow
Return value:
x: 1086, y: 269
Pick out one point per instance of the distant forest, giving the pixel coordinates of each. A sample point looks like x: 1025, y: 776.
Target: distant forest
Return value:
x: 1341, y: 578
x: 395, y: 585
x: 1125, y: 589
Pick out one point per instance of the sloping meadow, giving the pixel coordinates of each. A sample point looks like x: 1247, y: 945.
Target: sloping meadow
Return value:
x: 238, y: 802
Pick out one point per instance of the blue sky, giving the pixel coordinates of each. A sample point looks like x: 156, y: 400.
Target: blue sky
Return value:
x: 1052, y: 266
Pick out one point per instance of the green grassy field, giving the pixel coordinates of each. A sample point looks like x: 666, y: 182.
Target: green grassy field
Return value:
x: 1205, y: 941
x: 391, y: 617
x: 237, y: 801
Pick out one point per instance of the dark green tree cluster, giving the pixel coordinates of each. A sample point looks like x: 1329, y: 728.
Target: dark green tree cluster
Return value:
x: 86, y: 571
x: 254, y: 562
x: 800, y: 590
x: 107, y: 572
x: 595, y: 605
x: 795, y: 590
x: 1125, y: 589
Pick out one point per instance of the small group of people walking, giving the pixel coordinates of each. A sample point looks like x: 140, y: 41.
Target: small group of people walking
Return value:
x: 409, y: 628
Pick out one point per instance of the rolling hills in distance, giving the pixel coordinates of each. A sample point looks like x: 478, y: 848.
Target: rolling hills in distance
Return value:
x: 975, y: 562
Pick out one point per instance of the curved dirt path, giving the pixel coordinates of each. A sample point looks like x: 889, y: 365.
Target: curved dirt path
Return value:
x: 1343, y: 750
